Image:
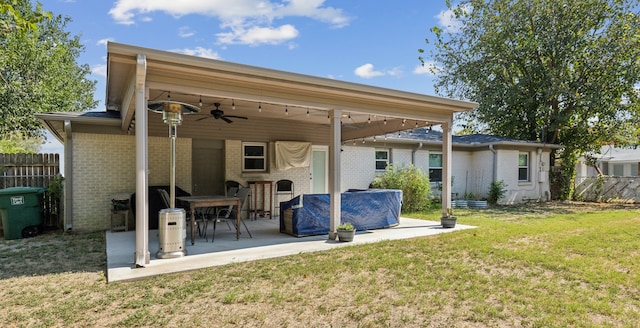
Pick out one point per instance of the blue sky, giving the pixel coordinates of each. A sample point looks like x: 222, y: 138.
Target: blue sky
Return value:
x: 361, y: 41
x: 369, y: 42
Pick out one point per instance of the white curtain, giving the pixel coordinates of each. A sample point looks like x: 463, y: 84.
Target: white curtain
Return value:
x: 290, y: 154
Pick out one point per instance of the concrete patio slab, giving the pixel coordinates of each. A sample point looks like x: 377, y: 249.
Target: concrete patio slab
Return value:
x: 267, y: 242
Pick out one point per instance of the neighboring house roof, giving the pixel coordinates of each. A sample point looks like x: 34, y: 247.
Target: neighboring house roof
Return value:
x: 430, y: 136
x: 614, y: 154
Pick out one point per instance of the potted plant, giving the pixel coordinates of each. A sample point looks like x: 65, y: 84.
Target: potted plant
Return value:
x: 448, y: 220
x: 346, y: 231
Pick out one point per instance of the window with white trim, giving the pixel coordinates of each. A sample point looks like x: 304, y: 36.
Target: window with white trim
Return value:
x: 435, y: 167
x: 382, y: 159
x: 254, y: 157
x: 618, y: 170
x: 523, y: 167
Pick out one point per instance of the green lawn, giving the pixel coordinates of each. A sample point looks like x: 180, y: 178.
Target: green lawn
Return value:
x: 535, y: 266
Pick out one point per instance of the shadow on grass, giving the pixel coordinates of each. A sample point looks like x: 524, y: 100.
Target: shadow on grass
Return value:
x: 52, y: 252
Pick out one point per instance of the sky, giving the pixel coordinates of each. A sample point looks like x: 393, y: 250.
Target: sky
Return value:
x: 361, y: 41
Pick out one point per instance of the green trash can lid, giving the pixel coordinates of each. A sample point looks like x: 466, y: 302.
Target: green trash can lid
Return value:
x: 21, y: 190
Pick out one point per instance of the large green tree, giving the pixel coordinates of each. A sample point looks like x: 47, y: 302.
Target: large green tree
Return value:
x: 39, y: 70
x: 14, y: 22
x: 554, y: 71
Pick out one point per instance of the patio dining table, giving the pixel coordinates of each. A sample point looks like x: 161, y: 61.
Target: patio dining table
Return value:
x: 194, y: 202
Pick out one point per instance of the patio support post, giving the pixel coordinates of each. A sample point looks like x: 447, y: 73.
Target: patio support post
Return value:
x: 142, y: 256
x: 446, y: 164
x: 334, y: 172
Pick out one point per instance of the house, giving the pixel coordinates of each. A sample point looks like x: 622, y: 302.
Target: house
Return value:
x: 477, y: 160
x: 246, y: 112
x: 614, y: 177
x: 611, y: 161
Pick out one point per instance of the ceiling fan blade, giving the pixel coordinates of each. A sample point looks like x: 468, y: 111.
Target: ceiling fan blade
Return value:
x: 202, y: 118
x: 234, y: 116
x: 224, y: 118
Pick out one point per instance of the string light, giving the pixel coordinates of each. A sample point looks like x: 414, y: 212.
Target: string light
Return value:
x: 307, y: 112
x: 369, y: 120
x: 286, y: 110
x: 349, y: 115
x: 168, y: 95
x: 374, y: 138
x: 416, y: 124
x: 233, y: 104
x: 200, y: 101
x: 404, y: 120
x: 362, y: 140
x: 385, y: 120
x: 260, y: 108
x: 328, y: 116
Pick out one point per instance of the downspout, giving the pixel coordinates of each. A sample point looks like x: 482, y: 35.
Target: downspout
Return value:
x: 413, y: 153
x: 495, y: 163
x: 541, y: 178
x: 68, y: 174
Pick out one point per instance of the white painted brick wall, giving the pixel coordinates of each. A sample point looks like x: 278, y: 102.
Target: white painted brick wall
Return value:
x: 358, y: 167
x: 233, y: 171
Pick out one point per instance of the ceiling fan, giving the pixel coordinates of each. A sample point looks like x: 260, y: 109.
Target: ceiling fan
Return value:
x: 219, y: 114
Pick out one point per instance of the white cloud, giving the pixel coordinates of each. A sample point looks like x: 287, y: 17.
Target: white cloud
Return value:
x: 100, y: 69
x: 185, y: 32
x: 367, y: 71
x: 429, y: 68
x: 448, y: 20
x: 198, y: 51
x: 248, y: 21
x: 396, y: 71
x: 259, y: 35
x: 103, y: 42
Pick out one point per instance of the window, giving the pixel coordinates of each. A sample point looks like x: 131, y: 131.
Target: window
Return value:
x: 254, y: 156
x: 435, y: 167
x: 618, y: 170
x: 382, y: 159
x: 523, y: 167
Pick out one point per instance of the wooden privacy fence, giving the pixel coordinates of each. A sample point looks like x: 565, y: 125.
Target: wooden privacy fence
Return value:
x: 607, y: 189
x: 34, y: 170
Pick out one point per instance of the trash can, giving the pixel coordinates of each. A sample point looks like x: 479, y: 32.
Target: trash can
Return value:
x: 21, y: 211
x: 172, y: 233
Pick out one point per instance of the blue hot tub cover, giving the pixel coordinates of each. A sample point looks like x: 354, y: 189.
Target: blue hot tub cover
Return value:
x: 308, y: 214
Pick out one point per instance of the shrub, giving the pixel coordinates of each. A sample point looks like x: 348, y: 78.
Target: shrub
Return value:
x: 413, y: 183
x: 497, y: 189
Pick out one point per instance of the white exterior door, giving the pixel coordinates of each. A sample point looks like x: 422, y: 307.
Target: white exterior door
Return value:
x: 319, y: 169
